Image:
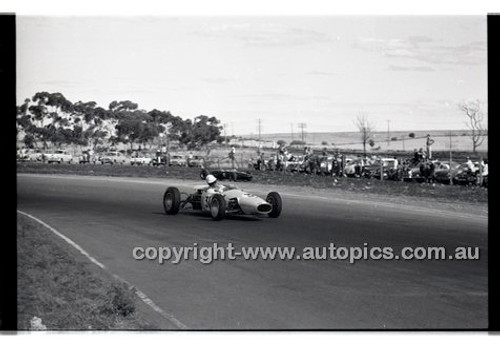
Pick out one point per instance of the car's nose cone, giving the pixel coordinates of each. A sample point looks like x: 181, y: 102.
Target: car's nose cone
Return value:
x: 264, y: 208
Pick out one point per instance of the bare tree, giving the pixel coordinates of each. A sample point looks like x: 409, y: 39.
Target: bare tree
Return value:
x: 475, y: 122
x: 365, y: 128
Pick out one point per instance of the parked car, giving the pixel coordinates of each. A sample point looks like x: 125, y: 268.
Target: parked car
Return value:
x: 466, y: 176
x: 267, y: 163
x: 87, y: 158
x: 326, y: 164
x: 141, y: 159
x: 443, y: 171
x: 113, y: 157
x: 59, y: 156
x: 178, y: 160
x: 196, y: 162
x: 159, y: 159
x: 389, y: 166
x: 415, y: 172
x: 35, y: 155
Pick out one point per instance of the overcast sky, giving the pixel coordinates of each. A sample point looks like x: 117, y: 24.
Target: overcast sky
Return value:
x: 322, y: 71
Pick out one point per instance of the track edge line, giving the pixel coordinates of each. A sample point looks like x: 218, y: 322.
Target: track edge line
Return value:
x: 140, y: 294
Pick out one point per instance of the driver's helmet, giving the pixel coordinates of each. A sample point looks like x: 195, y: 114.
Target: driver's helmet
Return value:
x: 211, y: 180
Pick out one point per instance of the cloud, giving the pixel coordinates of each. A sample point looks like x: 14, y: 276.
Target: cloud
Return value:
x: 426, y: 50
x: 61, y: 83
x: 411, y: 68
x: 217, y: 81
x: 316, y: 72
x: 267, y: 34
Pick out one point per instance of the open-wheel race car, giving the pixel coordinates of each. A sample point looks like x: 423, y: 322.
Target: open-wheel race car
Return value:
x: 228, y: 200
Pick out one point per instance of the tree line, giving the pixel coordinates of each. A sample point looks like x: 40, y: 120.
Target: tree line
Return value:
x: 51, y: 117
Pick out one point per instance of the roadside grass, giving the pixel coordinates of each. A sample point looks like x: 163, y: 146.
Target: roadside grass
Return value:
x: 66, y: 292
x: 440, y: 192
x: 434, y: 192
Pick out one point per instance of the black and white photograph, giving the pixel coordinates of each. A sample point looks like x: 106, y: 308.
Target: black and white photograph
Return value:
x: 252, y: 173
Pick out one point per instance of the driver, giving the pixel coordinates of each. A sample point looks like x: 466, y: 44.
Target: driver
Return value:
x: 213, y: 188
x: 213, y: 185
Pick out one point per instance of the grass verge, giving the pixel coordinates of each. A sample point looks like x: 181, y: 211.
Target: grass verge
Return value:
x: 66, y: 292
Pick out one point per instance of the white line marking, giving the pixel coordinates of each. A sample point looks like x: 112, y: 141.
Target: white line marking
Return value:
x: 139, y: 293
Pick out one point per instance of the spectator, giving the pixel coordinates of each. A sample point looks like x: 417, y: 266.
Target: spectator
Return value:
x: 232, y: 156
x: 279, y: 160
x: 335, y: 166
x: 260, y: 161
x: 470, y: 165
x: 421, y: 155
x: 359, y: 166
x: 416, y: 158
x: 432, y: 168
x: 428, y: 145
x: 485, y: 174
x: 305, y: 151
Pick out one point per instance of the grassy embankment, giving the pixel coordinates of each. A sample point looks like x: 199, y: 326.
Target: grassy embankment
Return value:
x: 57, y: 285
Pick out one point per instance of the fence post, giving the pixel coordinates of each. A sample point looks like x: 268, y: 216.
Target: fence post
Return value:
x: 451, y: 173
x: 480, y: 170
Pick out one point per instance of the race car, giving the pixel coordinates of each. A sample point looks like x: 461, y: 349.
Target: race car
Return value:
x: 232, y: 175
x: 230, y: 201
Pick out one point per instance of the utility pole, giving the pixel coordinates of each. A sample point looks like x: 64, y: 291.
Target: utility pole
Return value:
x: 388, y: 134
x: 301, y: 127
x: 259, y: 121
x: 291, y: 127
x: 451, y: 179
x: 225, y: 135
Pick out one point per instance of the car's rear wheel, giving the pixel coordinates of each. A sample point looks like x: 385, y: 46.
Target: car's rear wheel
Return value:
x: 217, y: 207
x: 274, y: 199
x: 171, y: 201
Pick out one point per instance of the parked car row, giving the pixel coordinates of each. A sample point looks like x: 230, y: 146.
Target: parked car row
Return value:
x: 395, y: 169
x: 112, y: 158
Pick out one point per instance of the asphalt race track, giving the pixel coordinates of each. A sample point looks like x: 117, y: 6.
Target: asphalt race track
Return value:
x: 108, y: 217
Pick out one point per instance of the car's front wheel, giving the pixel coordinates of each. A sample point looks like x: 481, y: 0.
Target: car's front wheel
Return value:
x: 171, y: 201
x: 217, y: 207
x: 274, y: 199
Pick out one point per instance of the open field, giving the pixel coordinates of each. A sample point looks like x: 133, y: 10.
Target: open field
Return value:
x: 461, y: 140
x: 66, y: 292
x: 435, y: 192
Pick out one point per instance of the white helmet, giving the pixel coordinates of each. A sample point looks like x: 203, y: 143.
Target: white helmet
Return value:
x: 210, y: 179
